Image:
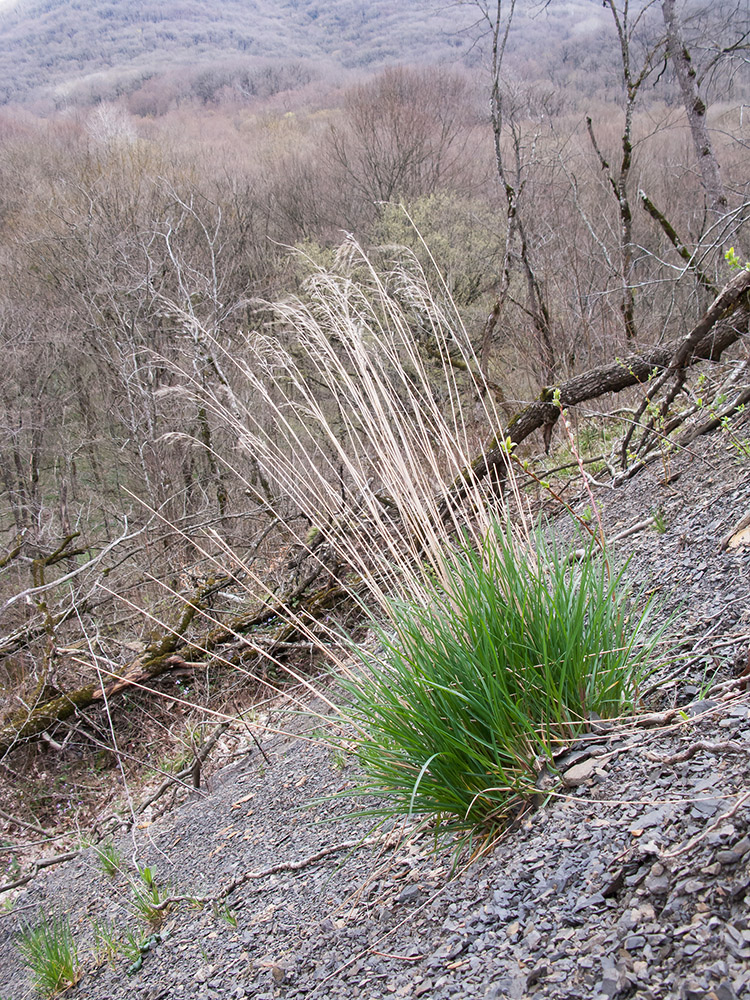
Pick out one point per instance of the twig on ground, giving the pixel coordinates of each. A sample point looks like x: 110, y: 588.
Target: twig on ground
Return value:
x: 281, y: 866
x: 186, y: 772
x: 399, y: 958
x: 15, y: 910
x: 37, y: 866
x: 726, y: 746
x: 657, y: 718
x: 24, y: 823
x: 625, y: 533
x: 694, y: 841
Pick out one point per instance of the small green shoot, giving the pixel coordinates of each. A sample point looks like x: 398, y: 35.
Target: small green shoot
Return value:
x: 110, y: 858
x: 147, y: 877
x: 735, y: 262
x: 222, y: 911
x: 130, y: 944
x: 107, y: 944
x: 147, y: 898
x: 659, y: 522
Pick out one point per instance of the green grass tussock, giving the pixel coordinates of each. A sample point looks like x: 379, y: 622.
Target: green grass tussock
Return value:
x: 496, y: 647
x: 50, y: 951
x: 484, y: 677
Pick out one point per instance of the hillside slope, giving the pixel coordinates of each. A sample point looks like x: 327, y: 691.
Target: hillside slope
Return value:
x: 630, y: 880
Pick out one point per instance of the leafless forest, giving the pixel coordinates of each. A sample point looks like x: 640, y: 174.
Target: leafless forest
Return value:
x: 577, y: 192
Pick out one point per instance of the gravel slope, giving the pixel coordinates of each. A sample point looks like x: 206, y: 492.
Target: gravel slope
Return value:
x: 631, y: 881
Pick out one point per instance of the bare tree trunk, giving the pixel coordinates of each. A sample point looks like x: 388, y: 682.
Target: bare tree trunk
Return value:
x: 499, y: 24
x: 695, y: 109
x: 620, y: 181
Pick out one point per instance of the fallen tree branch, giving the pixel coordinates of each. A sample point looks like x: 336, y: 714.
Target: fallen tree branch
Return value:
x: 24, y: 823
x: 744, y: 522
x: 694, y: 841
x: 167, y: 654
x: 725, y: 303
x: 578, y: 554
x: 187, y: 772
x: 718, y: 417
x: 684, y: 439
x: 718, y: 329
x: 37, y: 867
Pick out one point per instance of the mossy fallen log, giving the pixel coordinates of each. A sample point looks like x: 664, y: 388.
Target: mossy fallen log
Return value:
x: 23, y: 723
x: 171, y: 651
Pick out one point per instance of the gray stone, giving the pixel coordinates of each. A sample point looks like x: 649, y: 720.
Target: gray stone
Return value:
x: 650, y: 819
x: 729, y: 857
x: 609, y: 985
x: 658, y: 885
x: 725, y: 991
x: 699, y: 707
x: 408, y: 893
x: 634, y: 942
x: 705, y: 807
x: 693, y: 885
x: 586, y: 902
x: 693, y: 991
x: 579, y: 773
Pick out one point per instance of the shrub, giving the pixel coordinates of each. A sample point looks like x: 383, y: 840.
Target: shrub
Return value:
x: 486, y: 673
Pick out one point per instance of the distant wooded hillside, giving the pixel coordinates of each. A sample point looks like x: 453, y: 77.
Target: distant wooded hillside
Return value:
x: 54, y: 42
x: 91, y: 50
